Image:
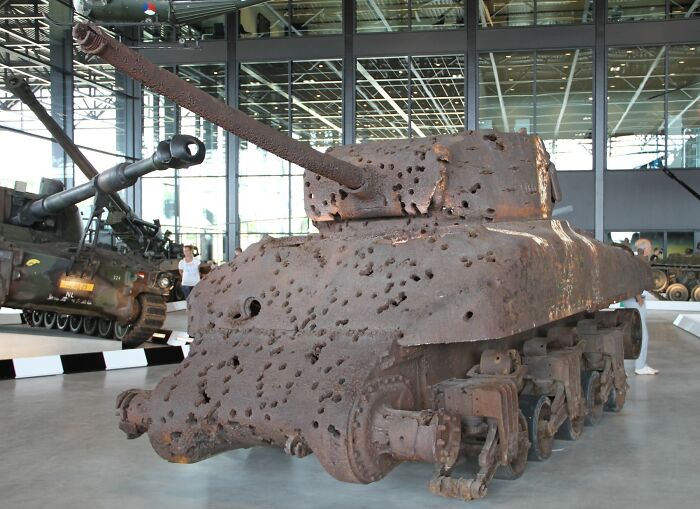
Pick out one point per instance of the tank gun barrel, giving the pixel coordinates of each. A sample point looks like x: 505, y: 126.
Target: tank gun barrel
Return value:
x: 180, y: 152
x: 93, y: 41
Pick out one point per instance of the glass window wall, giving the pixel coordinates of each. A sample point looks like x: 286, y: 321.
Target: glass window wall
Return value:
x: 515, y: 13
x: 636, y: 93
x: 549, y: 93
x: 683, y: 98
x: 283, y: 18
x: 381, y: 98
x: 397, y: 16
x: 300, y: 97
x: 190, y: 202
x: 564, y: 104
x: 506, y: 85
x: 437, y: 95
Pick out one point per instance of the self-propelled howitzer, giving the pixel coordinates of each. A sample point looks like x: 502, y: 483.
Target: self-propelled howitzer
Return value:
x: 54, y: 269
x: 439, y: 313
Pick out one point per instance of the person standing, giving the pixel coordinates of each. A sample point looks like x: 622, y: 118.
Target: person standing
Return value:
x: 189, y: 271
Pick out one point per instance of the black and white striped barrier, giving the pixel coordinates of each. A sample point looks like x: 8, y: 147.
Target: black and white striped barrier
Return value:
x: 86, y: 362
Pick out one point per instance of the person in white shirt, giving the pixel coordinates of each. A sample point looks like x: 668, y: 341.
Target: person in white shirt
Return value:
x: 640, y: 364
x: 189, y: 271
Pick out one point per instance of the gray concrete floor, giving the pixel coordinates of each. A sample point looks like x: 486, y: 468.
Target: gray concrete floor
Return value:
x: 61, y: 449
x: 18, y: 341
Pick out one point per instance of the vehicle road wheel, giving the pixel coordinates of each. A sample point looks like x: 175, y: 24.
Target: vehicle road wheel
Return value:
x: 75, y: 324
x: 120, y: 331
x: 677, y: 292
x: 50, y: 320
x: 660, y: 280
x: 37, y: 319
x: 594, y: 400
x: 90, y: 325
x: 695, y: 294
x: 571, y: 429
x: 516, y: 467
x: 538, y: 412
x: 616, y: 400
x: 62, y: 322
x: 105, y: 328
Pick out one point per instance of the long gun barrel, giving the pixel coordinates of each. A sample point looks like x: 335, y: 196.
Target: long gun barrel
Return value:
x: 93, y: 41
x: 180, y: 152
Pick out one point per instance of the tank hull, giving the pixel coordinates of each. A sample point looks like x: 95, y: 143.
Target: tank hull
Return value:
x: 304, y: 360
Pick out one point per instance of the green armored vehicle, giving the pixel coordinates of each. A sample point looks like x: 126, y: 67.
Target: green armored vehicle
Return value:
x: 62, y: 274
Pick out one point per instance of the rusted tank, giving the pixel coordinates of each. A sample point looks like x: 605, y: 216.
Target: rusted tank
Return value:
x: 439, y: 314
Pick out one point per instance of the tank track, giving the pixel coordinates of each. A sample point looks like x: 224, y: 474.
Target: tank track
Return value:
x: 150, y: 320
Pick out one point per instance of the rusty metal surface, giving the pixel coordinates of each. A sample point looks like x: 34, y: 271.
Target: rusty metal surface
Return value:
x: 439, y: 314
x: 439, y: 286
x: 471, y: 176
x: 93, y: 41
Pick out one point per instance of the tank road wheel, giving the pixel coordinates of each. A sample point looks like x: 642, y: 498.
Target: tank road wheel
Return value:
x: 571, y: 429
x: 105, y: 328
x: 517, y: 466
x: 677, y: 292
x: 150, y: 320
x: 695, y: 294
x: 75, y: 324
x: 120, y: 331
x: 50, y: 320
x: 538, y: 412
x: 90, y: 325
x: 37, y: 319
x: 616, y: 400
x: 62, y: 322
x: 594, y: 400
x: 660, y: 280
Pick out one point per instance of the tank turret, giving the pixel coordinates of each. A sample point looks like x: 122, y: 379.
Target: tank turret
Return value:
x: 440, y: 313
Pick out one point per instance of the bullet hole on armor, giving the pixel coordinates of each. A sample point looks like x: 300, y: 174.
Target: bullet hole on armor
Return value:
x: 397, y: 187
x: 314, y: 424
x: 468, y: 315
x: 313, y: 358
x: 338, y: 323
x: 345, y: 302
x: 429, y: 274
x: 409, y: 169
x: 267, y: 417
x: 320, y: 410
x: 400, y: 175
x: 444, y: 247
x: 343, y: 194
x: 252, y: 307
x: 475, y: 188
x: 415, y: 181
x: 490, y: 137
x: 318, y: 177
x: 333, y: 431
x: 307, y: 183
x: 368, y: 270
x: 465, y: 204
x: 282, y: 367
x: 327, y: 369
x: 358, y: 294
x: 191, y: 419
x: 232, y: 413
x: 248, y: 412
x: 490, y: 211
x: 415, y: 277
x: 259, y: 394
x: 171, y: 414
x: 337, y: 398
